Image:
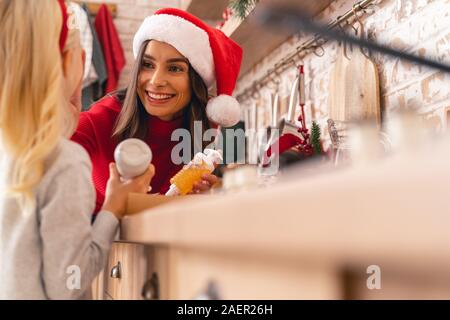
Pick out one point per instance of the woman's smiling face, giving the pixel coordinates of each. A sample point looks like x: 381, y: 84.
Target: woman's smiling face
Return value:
x: 163, y: 82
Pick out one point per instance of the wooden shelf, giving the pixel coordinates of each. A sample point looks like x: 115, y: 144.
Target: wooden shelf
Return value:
x: 394, y: 211
x: 205, y: 9
x: 258, y: 42
x: 94, y: 7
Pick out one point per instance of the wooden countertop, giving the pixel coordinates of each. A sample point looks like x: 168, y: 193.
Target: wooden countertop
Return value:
x: 395, y: 211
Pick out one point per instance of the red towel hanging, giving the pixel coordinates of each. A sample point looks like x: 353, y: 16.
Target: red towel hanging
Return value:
x: 112, y: 48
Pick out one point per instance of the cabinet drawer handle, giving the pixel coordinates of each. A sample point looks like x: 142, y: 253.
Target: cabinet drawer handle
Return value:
x: 211, y: 292
x: 116, y: 271
x: 150, y: 291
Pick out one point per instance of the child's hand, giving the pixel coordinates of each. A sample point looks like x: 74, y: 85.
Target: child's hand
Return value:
x: 117, y: 191
x: 208, y: 180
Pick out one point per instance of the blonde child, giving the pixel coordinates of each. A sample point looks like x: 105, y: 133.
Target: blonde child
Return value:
x: 48, y: 247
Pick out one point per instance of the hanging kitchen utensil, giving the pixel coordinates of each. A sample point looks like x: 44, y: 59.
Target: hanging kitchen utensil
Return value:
x: 302, y: 94
x: 293, y: 100
x: 288, y: 125
x: 250, y: 132
x: 286, y: 133
x: 253, y: 142
x: 275, y: 109
x: 362, y: 86
x: 337, y: 85
x: 274, y: 132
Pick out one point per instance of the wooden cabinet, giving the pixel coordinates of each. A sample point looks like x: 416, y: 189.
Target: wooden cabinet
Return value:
x: 312, y: 238
x: 203, y: 274
x: 172, y: 272
x: 124, y: 275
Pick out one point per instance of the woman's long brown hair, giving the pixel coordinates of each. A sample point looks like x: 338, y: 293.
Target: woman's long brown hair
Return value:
x: 133, y: 118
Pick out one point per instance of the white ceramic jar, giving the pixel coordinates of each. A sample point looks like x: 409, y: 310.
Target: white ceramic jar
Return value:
x: 133, y: 157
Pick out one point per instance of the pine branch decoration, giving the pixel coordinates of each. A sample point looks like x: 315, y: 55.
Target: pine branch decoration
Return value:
x: 241, y: 8
x: 315, y: 138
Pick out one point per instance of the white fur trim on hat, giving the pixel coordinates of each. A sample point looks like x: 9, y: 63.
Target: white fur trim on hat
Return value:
x: 190, y: 40
x: 224, y: 110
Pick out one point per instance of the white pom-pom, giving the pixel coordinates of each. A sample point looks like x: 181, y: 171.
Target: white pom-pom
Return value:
x: 224, y: 110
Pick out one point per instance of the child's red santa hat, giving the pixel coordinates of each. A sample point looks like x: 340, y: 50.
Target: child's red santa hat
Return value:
x: 64, y: 27
x: 215, y: 57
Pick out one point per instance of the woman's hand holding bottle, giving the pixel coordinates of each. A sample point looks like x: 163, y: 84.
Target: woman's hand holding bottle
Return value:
x: 207, y: 182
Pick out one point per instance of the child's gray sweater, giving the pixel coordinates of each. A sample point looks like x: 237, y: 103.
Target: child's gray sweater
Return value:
x: 54, y: 252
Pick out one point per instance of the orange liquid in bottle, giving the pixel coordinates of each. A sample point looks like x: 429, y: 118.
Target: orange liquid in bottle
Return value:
x: 185, y: 178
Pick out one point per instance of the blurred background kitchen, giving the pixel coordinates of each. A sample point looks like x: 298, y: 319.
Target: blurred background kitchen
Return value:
x: 373, y: 205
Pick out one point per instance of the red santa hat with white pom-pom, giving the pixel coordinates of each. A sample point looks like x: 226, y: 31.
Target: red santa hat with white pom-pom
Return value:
x: 215, y: 57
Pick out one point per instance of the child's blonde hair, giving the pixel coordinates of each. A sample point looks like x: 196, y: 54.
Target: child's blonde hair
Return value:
x: 31, y: 91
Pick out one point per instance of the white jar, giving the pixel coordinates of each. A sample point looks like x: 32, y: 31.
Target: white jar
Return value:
x: 133, y: 157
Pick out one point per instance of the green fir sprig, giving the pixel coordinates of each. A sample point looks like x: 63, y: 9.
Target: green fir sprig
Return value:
x: 241, y: 8
x: 315, y: 138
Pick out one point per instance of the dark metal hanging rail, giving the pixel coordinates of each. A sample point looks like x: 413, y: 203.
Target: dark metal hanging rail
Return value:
x: 291, y: 19
x: 305, y: 48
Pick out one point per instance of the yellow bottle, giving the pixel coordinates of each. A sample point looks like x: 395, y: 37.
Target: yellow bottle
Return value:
x: 203, y: 163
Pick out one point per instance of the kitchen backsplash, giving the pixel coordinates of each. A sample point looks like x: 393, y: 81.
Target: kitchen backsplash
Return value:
x: 418, y: 26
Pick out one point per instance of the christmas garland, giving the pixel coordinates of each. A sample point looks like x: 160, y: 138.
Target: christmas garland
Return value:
x: 315, y: 138
x: 241, y: 8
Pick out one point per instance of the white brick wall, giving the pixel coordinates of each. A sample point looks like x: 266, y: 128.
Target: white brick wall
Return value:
x: 418, y: 26
x: 130, y: 14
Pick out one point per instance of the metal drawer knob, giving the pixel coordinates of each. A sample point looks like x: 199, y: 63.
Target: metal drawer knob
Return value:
x: 150, y: 291
x: 116, y: 271
x: 211, y: 292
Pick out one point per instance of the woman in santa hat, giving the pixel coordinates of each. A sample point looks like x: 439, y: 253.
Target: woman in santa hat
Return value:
x: 178, y: 58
